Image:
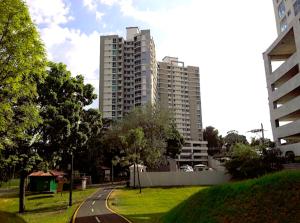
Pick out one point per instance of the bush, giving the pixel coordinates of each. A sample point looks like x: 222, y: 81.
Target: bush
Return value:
x: 249, y: 162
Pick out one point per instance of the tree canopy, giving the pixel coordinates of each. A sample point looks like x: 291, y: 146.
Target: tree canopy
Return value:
x: 233, y: 137
x: 66, y: 125
x: 22, y: 66
x: 161, y: 136
x: 215, y: 141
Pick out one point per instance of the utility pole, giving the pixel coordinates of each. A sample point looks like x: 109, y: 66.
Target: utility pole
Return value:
x: 262, y: 130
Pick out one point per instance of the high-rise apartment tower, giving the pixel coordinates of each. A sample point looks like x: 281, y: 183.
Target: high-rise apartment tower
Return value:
x: 179, y: 91
x: 282, y: 60
x: 128, y: 72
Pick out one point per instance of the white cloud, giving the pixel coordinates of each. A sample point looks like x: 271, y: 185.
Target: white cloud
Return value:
x: 99, y: 15
x: 49, y: 12
x: 76, y: 49
x: 79, y: 51
x: 90, y: 4
x: 109, y: 2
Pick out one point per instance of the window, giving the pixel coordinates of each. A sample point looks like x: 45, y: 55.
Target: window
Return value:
x: 283, y: 24
x: 281, y: 10
x: 296, y: 7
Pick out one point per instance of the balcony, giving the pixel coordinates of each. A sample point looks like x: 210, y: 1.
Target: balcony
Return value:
x: 284, y: 68
x: 286, y: 90
x: 200, y: 154
x: 287, y: 108
x: 290, y: 129
x: 282, y: 51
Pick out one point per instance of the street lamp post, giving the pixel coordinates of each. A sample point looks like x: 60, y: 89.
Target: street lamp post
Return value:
x: 72, y: 158
x: 71, y: 180
x: 112, y: 172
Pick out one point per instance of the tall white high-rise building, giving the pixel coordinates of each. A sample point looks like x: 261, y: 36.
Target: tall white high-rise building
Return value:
x: 128, y: 72
x: 179, y: 91
x: 282, y: 60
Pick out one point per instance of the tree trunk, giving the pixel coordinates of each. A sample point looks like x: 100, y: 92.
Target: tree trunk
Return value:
x: 22, y: 193
x: 134, y: 175
x: 138, y: 175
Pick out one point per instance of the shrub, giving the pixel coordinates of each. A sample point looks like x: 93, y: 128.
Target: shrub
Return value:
x: 249, y: 162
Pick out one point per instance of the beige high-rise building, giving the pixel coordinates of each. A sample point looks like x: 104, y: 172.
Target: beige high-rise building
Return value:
x: 282, y: 60
x: 129, y: 78
x: 128, y: 72
x: 179, y: 91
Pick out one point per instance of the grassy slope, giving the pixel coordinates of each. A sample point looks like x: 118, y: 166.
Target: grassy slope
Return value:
x: 151, y: 204
x: 273, y: 198
x: 46, y: 208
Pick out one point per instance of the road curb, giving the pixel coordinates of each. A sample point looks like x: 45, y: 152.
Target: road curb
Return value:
x: 106, y: 204
x: 77, y: 209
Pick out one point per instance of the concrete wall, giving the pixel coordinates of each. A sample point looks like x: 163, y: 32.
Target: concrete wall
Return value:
x: 215, y: 164
x: 158, y: 179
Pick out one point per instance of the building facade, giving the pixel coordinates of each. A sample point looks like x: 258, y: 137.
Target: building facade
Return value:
x: 179, y: 91
x: 282, y: 60
x: 128, y: 72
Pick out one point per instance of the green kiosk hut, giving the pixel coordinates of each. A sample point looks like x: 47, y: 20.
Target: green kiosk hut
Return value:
x: 44, y: 181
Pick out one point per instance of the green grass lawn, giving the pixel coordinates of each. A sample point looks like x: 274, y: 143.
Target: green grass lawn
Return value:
x: 274, y: 198
x: 42, y: 208
x: 151, y: 204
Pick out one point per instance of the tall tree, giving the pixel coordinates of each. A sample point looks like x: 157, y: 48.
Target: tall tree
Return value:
x: 134, y: 144
x: 233, y: 137
x: 62, y: 101
x: 90, y: 154
x: 22, y: 66
x: 175, y: 141
x: 211, y: 135
x: 263, y: 143
x: 156, y: 125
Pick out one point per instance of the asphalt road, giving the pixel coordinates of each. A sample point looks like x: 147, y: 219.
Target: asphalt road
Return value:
x: 94, y: 210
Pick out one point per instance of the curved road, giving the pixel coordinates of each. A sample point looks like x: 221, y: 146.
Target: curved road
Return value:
x: 94, y: 209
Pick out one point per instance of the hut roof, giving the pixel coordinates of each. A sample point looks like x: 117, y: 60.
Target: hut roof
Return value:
x: 50, y: 173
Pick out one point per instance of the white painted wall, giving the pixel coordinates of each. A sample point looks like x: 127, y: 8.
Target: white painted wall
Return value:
x: 158, y: 179
x: 215, y: 164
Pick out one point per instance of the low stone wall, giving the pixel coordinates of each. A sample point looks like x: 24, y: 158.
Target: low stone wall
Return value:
x: 158, y: 179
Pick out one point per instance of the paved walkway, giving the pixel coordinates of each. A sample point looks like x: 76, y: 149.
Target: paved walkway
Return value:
x: 94, y: 209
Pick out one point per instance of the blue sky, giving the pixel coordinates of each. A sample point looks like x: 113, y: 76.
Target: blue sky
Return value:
x: 225, y: 39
